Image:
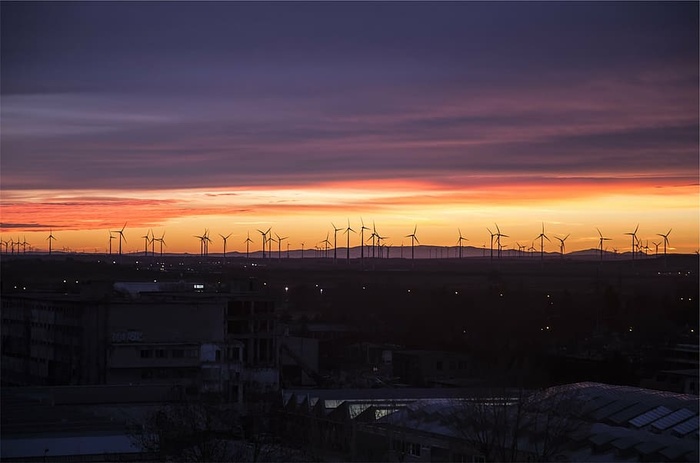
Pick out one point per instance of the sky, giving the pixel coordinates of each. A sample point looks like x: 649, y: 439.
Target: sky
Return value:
x: 237, y: 116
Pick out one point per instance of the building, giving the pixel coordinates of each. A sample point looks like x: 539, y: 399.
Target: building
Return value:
x: 576, y: 422
x: 181, y: 333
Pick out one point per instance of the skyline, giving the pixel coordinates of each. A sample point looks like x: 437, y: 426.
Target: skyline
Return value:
x: 236, y: 116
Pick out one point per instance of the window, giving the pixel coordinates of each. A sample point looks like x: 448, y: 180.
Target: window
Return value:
x: 438, y: 365
x: 146, y: 353
x: 160, y: 353
x: 178, y: 353
x: 478, y: 459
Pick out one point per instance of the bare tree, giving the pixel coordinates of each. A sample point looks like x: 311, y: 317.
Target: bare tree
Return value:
x: 195, y: 432
x: 504, y: 425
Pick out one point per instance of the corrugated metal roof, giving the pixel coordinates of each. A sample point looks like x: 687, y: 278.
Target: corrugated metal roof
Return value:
x: 650, y: 416
x: 674, y: 418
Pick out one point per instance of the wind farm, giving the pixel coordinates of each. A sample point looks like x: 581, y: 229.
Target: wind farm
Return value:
x: 375, y: 246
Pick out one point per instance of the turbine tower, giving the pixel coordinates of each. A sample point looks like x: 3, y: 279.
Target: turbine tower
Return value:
x: 542, y: 237
x: 121, y: 237
x: 161, y: 240
x: 279, y: 246
x: 562, y: 246
x: 601, y: 239
x: 247, y: 246
x: 498, y: 239
x: 50, y: 238
x: 491, y: 245
x: 665, y: 237
x: 362, y: 240
x: 347, y: 232
x: 302, y: 249
x: 225, y: 238
x: 459, y: 242
x: 146, y: 238
x: 634, y: 238
x: 414, y: 238
x: 335, y: 242
x: 264, y: 239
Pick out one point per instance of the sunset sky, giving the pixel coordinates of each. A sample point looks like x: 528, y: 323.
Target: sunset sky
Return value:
x: 178, y: 116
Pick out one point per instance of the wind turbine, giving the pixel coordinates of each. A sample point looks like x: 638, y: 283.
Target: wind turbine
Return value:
x: 207, y: 240
x: 161, y: 240
x: 51, y: 237
x: 656, y: 245
x: 247, y: 246
x: 347, y: 232
x: 302, y: 249
x: 634, y: 238
x: 491, y: 245
x: 665, y: 237
x: 562, y: 246
x: 201, y: 243
x: 335, y: 242
x: 270, y: 240
x: 146, y: 237
x: 225, y: 238
x: 542, y: 237
x: 601, y: 239
x: 264, y: 239
x: 373, y: 236
x: 327, y: 243
x: 121, y: 237
x: 24, y: 245
x: 279, y: 246
x: 362, y: 240
x: 498, y: 239
x: 413, y: 238
x: 459, y: 242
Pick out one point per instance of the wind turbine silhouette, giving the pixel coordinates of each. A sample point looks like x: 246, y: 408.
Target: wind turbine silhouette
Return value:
x: 247, y: 246
x: 264, y: 239
x: 498, y: 239
x: 50, y: 238
x: 459, y: 242
x: 634, y: 238
x: 121, y: 237
x: 270, y: 240
x: 302, y: 249
x: 335, y: 242
x: 207, y: 240
x: 562, y: 246
x: 373, y: 236
x: 327, y: 243
x: 542, y: 237
x: 362, y: 240
x: 161, y: 240
x: 601, y: 239
x: 665, y: 237
x: 347, y: 232
x: 201, y: 243
x: 279, y: 246
x: 413, y: 238
x: 225, y: 238
x: 491, y: 245
x: 146, y: 241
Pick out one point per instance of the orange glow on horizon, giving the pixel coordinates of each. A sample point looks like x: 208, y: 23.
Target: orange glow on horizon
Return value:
x: 81, y: 219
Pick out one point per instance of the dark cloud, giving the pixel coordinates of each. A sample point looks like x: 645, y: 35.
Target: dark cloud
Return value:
x: 173, y: 94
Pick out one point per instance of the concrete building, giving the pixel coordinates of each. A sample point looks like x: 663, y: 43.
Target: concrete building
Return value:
x: 142, y: 333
